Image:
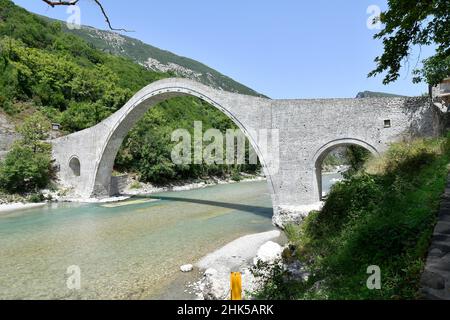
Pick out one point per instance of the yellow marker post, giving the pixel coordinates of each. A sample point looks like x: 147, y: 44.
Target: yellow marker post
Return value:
x: 236, y: 286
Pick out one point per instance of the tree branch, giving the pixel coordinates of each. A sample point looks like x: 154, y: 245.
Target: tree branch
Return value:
x: 61, y: 3
x: 106, y: 17
x: 75, y: 2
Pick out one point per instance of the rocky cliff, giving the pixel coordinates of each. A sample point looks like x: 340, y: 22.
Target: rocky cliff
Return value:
x: 7, y: 135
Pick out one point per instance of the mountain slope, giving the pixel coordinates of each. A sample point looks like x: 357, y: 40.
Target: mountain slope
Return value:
x: 372, y: 94
x: 158, y: 60
x: 70, y: 82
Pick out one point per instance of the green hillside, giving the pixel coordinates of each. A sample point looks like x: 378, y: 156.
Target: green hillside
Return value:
x: 48, y: 71
x: 155, y: 59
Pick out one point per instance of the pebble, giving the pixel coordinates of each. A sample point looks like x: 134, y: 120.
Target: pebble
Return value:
x: 187, y: 268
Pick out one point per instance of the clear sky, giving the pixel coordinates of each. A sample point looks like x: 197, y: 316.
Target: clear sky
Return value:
x: 282, y: 48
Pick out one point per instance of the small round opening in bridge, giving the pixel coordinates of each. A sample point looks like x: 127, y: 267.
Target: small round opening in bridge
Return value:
x: 75, y: 166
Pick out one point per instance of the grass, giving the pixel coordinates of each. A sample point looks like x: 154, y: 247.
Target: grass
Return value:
x: 382, y: 216
x: 135, y: 185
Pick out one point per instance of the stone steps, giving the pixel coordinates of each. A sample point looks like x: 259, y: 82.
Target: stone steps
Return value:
x: 442, y: 227
x: 435, y: 281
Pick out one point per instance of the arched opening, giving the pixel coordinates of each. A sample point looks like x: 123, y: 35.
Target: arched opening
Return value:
x: 148, y: 149
x: 140, y: 134
x: 338, y: 160
x: 152, y: 105
x: 75, y: 166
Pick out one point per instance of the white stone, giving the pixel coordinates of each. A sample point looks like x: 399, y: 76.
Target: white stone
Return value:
x: 294, y: 214
x: 249, y: 284
x: 243, y: 248
x: 269, y: 252
x: 235, y: 256
x: 210, y: 272
x: 216, y: 284
x: 187, y: 268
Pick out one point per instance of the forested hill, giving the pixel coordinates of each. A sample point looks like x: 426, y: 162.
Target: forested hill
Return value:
x: 61, y: 75
x: 66, y: 79
x: 156, y: 59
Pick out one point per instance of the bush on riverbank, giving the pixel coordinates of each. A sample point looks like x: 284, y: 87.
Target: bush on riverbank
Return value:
x: 27, y: 166
x: 352, y: 156
x: 382, y: 216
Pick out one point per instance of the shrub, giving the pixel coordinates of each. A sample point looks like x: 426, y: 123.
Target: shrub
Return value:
x: 382, y: 216
x: 36, y: 198
x: 23, y: 170
x: 236, y: 176
x: 27, y: 166
x: 274, y: 282
x: 135, y: 185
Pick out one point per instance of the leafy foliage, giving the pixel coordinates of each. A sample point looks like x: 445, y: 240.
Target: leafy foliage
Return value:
x: 381, y: 216
x: 74, y: 84
x: 147, y: 149
x: 27, y: 167
x: 275, y: 280
x: 411, y: 23
x: 356, y: 156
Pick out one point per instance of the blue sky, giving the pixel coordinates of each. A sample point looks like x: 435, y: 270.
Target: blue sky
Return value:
x: 283, y: 48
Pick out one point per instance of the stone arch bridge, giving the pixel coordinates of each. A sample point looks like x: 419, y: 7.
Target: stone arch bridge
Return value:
x: 301, y: 133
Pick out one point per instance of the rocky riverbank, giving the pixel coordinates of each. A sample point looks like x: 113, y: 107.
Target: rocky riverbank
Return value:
x: 285, y: 215
x: 241, y: 255
x: 133, y: 188
x: 7, y: 208
x: 335, y: 169
x: 237, y: 256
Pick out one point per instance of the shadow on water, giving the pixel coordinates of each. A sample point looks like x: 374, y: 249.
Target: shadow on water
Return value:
x: 262, y: 211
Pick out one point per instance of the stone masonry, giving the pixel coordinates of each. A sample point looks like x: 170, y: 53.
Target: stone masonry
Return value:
x: 435, y: 282
x: 299, y: 134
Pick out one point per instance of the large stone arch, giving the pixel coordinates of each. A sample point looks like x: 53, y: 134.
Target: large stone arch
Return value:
x: 98, y: 146
x: 142, y: 102
x: 323, y: 151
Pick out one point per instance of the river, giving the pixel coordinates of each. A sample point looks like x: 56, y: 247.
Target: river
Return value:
x: 129, y: 250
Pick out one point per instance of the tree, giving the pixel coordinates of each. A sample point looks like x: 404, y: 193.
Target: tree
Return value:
x: 24, y: 170
x: 27, y: 166
x: 34, y: 132
x: 75, y: 2
x: 415, y: 23
x: 356, y: 156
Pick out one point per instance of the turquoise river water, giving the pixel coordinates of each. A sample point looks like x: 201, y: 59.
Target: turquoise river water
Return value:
x: 129, y: 250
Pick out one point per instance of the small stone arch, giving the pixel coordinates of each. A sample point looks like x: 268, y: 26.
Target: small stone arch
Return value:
x: 323, y: 151
x: 75, y: 166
